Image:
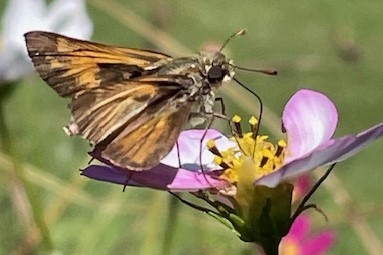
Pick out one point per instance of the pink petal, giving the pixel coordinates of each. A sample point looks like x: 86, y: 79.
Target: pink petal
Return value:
x: 320, y: 244
x: 161, y: 177
x: 302, y: 186
x: 186, y: 180
x: 310, y: 119
x: 189, y: 143
x: 331, y: 152
x: 300, y: 228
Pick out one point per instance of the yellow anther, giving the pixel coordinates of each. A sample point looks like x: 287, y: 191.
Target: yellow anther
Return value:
x: 211, y: 144
x: 281, y: 146
x: 236, y: 118
x: 282, y: 143
x: 263, y: 138
x: 213, y: 148
x: 253, y: 121
x: 248, y: 135
x: 217, y: 160
x: 237, y: 125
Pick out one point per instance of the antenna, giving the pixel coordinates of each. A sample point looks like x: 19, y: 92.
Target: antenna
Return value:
x: 264, y: 71
x: 240, y: 32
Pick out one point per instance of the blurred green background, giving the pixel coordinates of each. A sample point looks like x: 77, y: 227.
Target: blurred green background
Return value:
x: 331, y: 46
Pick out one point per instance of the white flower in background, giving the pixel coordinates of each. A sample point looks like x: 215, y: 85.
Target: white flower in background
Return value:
x: 68, y: 17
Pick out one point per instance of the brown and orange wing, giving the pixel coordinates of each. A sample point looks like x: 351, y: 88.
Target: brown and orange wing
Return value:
x: 131, y: 117
x: 72, y: 66
x: 147, y: 139
x: 102, y: 111
x: 133, y: 124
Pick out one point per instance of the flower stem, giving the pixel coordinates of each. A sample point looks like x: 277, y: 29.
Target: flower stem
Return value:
x: 270, y: 247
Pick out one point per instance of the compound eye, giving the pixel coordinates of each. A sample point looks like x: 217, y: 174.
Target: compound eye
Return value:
x: 216, y: 73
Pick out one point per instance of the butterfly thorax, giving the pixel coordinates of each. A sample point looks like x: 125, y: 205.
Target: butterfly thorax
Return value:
x: 206, y: 71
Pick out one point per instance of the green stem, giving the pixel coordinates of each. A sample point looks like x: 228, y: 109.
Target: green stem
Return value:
x: 18, y: 183
x: 270, y: 247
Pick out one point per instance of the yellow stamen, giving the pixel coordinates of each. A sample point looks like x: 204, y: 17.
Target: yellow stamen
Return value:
x: 219, y: 161
x: 213, y: 148
x: 265, y: 156
x: 282, y: 143
x: 237, y: 125
x: 236, y: 119
x: 281, y: 146
x: 210, y: 144
x: 253, y: 121
x: 263, y: 161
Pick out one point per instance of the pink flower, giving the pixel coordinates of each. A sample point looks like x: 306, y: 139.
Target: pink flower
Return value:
x: 300, y: 241
x: 309, y: 119
x: 245, y: 180
x: 302, y: 185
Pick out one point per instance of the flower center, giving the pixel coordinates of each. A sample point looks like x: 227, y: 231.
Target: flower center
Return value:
x: 265, y: 157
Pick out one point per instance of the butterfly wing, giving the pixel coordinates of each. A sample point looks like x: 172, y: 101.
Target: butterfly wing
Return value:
x: 133, y: 125
x: 72, y: 66
x: 132, y: 116
x: 148, y: 138
x: 103, y: 110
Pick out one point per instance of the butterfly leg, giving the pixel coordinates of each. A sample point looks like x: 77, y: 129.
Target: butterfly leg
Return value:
x: 128, y: 177
x: 179, y: 155
x: 221, y: 115
x: 201, y: 147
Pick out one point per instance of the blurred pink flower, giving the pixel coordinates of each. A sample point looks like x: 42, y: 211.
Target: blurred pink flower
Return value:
x: 301, y: 241
x: 302, y: 185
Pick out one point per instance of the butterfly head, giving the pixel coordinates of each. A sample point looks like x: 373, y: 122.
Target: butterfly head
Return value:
x: 216, y: 67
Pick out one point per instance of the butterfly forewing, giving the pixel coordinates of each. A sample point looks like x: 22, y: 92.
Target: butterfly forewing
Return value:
x: 72, y: 66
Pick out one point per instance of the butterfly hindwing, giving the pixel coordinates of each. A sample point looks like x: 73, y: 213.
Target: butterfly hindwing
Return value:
x: 101, y: 111
x: 142, y: 148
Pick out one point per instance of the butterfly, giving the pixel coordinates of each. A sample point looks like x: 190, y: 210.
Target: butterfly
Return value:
x: 130, y: 104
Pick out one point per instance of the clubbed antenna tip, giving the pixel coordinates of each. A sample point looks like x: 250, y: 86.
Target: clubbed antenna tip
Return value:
x: 240, y: 32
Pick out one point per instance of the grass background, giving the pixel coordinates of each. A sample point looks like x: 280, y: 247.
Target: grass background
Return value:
x: 331, y: 46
